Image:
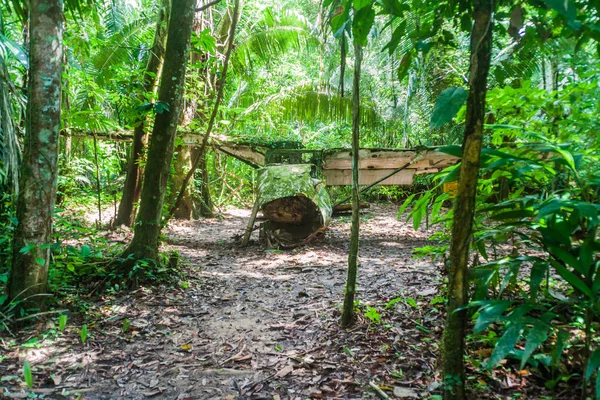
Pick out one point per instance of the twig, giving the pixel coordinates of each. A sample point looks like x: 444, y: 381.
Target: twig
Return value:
x: 205, y: 6
x: 378, y: 390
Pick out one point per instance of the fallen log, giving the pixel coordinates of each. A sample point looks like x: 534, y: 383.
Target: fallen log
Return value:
x: 295, y: 204
x: 348, y: 207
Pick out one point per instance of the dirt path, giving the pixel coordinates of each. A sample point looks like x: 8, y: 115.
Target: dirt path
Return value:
x: 249, y: 323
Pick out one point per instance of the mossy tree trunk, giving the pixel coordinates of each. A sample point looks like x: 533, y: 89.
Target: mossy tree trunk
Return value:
x: 144, y: 244
x: 464, y: 205
x: 348, y: 306
x: 133, y: 179
x: 39, y: 170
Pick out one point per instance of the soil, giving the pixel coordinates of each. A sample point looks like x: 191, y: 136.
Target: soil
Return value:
x: 250, y: 323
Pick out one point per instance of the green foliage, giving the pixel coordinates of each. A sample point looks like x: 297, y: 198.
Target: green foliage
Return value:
x: 62, y: 322
x: 372, y: 315
x: 83, y: 333
x: 447, y: 105
x: 27, y: 374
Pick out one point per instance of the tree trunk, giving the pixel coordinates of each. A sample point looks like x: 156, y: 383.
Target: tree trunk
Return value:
x: 464, y: 206
x: 39, y: 171
x: 348, y: 306
x: 133, y: 179
x: 144, y: 244
x: 232, y: 25
x: 205, y: 204
x: 188, y: 208
x: 181, y: 165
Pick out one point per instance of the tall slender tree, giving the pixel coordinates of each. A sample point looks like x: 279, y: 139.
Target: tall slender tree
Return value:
x: 144, y: 244
x: 348, y: 307
x: 39, y: 170
x: 464, y: 205
x: 133, y: 179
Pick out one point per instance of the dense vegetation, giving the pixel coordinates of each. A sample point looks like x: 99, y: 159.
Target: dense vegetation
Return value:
x: 98, y: 100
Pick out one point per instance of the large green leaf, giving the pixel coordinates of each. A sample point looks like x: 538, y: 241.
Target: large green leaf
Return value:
x: 506, y: 343
x: 393, y: 7
x: 359, y: 4
x: 490, y: 313
x: 538, y: 272
x: 362, y: 24
x: 572, y: 279
x: 16, y: 49
x: 593, y: 364
x: 397, y: 35
x: 537, y: 335
x: 447, y: 105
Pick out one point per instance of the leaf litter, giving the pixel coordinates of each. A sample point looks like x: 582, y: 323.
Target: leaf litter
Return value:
x: 253, y: 324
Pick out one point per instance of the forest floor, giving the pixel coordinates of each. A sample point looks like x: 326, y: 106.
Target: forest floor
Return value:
x: 250, y: 323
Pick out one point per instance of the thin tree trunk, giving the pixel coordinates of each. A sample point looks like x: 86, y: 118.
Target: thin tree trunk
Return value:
x: 181, y: 165
x: 144, y: 244
x: 464, y: 205
x: 205, y: 205
x: 39, y: 171
x: 213, y: 115
x: 189, y: 207
x: 348, y: 307
x: 133, y: 179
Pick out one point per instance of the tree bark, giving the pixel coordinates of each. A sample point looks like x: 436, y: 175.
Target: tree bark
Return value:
x: 133, y: 179
x: 236, y: 13
x: 189, y: 206
x: 205, y: 204
x: 181, y: 165
x: 464, y: 206
x: 39, y: 171
x: 348, y: 307
x: 144, y: 244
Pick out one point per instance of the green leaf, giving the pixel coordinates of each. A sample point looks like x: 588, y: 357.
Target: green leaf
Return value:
x: 62, y: 322
x: 27, y: 375
x: 161, y: 106
x: 447, y: 105
x: 339, y: 19
x: 16, y: 49
x: 359, y: 4
x: 394, y: 7
x: 145, y: 107
x: 573, y: 279
x: 27, y: 249
x: 397, y: 36
x: 126, y: 325
x: 506, y: 343
x: 537, y: 335
x: 411, y: 302
x: 593, y: 364
x: 561, y: 342
x: 406, y: 204
x: 490, y: 313
x: 85, y: 251
x: 598, y: 386
x: 40, y: 260
x: 84, y: 333
x: 538, y: 273
x: 453, y: 150
x: 362, y: 24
